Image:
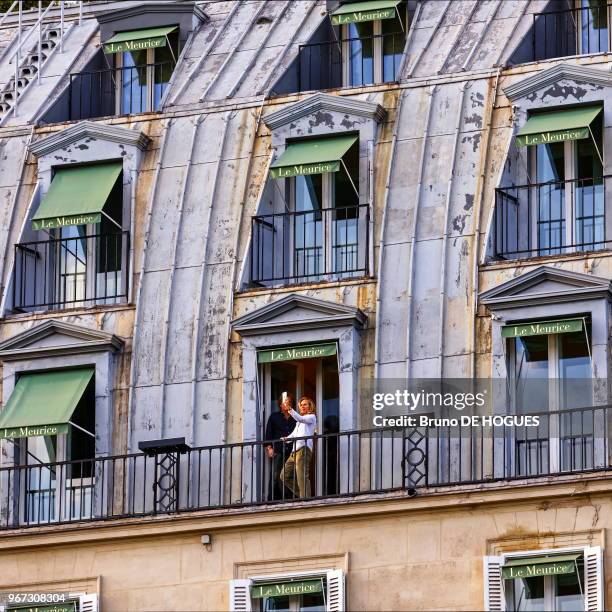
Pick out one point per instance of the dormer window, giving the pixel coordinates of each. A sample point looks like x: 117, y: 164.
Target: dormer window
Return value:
x: 144, y: 61
x: 373, y: 35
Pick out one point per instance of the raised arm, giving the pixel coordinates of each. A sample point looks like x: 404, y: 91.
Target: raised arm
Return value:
x: 307, y: 418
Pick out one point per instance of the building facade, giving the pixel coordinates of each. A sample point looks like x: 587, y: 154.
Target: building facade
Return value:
x: 207, y: 207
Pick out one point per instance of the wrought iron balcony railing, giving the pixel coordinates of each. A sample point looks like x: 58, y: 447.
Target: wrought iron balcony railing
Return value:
x: 118, y: 91
x: 344, y: 464
x: 551, y: 218
x: 350, y: 62
x: 71, y: 272
x: 309, y: 246
x: 575, y: 31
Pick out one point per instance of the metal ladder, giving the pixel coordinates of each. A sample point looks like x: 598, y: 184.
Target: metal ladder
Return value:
x: 31, y: 53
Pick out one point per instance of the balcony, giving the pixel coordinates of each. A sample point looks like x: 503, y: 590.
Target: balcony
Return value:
x: 553, y: 218
x: 345, y: 465
x: 118, y: 91
x: 575, y: 31
x: 350, y: 62
x: 71, y: 272
x: 310, y: 246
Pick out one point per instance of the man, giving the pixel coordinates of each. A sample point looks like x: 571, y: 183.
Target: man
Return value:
x: 280, y: 425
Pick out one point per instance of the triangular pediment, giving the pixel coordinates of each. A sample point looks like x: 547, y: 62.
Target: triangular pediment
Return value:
x: 321, y: 102
x: 53, y: 338
x: 89, y: 131
x: 297, y: 312
x: 561, y: 72
x: 546, y: 285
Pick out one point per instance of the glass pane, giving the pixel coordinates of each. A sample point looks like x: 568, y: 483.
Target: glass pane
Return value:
x: 568, y: 587
x: 313, y: 602
x: 165, y: 59
x: 308, y: 228
x: 550, y: 197
x: 41, y: 479
x: 278, y: 604
x: 134, y: 82
x: 361, y: 53
x: 593, y: 26
x: 71, y: 270
x: 393, y: 41
x: 589, y: 191
x: 345, y: 228
x: 330, y: 414
x: 528, y: 594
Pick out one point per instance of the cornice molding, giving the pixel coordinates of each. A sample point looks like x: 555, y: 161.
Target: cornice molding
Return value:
x: 324, y: 315
x: 88, y: 340
x: 574, y: 287
x: 581, y: 74
x: 325, y: 102
x: 89, y: 129
x: 153, y: 7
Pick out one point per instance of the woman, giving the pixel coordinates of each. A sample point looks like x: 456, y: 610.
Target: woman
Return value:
x: 297, y: 467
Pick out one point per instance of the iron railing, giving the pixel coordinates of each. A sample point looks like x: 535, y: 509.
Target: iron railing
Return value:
x: 323, y: 244
x: 345, y: 464
x: 118, y: 91
x: 551, y: 218
x: 71, y: 272
x: 350, y: 62
x: 574, y: 31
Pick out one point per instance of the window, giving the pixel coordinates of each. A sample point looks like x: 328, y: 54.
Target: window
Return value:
x: 144, y: 61
x: 567, y: 580
x: 552, y: 372
x: 284, y: 370
x: 81, y: 250
x: 593, y: 26
x: 317, y: 229
x: 317, y: 591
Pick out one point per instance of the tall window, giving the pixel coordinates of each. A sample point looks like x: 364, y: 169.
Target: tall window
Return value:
x: 569, y: 193
x: 373, y: 49
x: 593, y: 26
x: 144, y: 75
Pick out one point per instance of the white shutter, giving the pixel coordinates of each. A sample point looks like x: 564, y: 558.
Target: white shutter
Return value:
x: 593, y: 579
x: 336, y: 600
x: 88, y: 603
x: 493, y: 584
x: 240, y: 596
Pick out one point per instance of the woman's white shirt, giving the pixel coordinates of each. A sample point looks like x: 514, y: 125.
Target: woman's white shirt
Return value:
x: 306, y: 426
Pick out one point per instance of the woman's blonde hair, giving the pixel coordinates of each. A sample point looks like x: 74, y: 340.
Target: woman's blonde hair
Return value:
x: 312, y: 409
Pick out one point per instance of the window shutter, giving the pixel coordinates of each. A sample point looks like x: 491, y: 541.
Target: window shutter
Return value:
x: 593, y: 579
x: 335, y: 591
x: 88, y: 603
x: 240, y: 596
x: 493, y: 584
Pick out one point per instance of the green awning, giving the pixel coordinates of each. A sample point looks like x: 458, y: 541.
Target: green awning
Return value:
x: 76, y: 196
x: 286, y: 589
x: 542, y: 328
x: 557, y: 126
x: 308, y: 351
x: 313, y: 156
x: 136, y: 40
x: 42, y: 403
x: 372, y: 10
x: 530, y: 567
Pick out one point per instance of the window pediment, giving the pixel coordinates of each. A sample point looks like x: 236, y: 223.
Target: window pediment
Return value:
x: 297, y: 312
x: 53, y: 338
x: 546, y: 285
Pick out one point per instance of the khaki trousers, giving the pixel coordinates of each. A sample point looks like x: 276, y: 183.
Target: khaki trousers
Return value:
x: 296, y: 473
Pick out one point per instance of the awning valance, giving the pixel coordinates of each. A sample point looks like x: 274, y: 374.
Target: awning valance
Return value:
x: 136, y: 40
x: 286, y: 589
x: 76, y: 196
x: 542, y: 328
x: 557, y: 126
x: 42, y: 403
x: 371, y: 10
x: 530, y: 567
x: 309, y: 351
x: 313, y: 156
